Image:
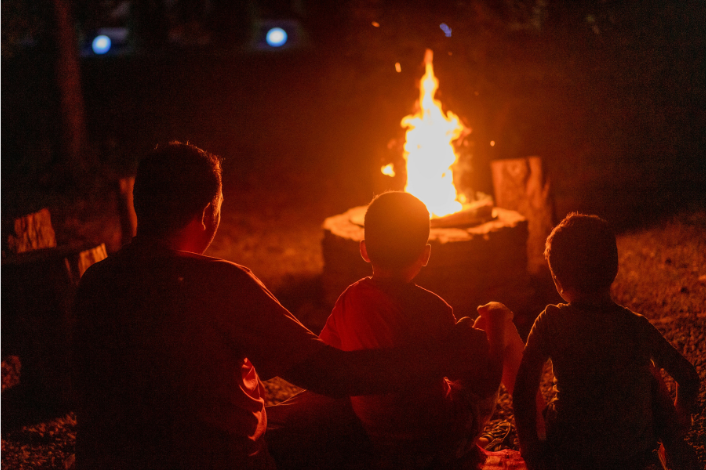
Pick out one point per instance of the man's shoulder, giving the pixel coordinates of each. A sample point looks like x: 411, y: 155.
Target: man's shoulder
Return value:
x: 216, y: 264
x: 130, y: 262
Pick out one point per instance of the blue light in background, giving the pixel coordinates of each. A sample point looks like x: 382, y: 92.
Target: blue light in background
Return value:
x: 445, y: 28
x: 276, y: 37
x: 101, y: 44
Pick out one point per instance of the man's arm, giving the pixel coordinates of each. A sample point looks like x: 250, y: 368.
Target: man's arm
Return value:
x: 332, y: 372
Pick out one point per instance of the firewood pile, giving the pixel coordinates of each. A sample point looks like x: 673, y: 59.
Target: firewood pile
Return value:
x: 39, y: 279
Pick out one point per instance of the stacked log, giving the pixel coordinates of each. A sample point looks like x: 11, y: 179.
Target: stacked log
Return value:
x: 38, y: 287
x: 468, y: 267
x: 31, y: 232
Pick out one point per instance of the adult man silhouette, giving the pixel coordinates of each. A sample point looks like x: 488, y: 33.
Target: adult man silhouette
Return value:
x: 171, y: 346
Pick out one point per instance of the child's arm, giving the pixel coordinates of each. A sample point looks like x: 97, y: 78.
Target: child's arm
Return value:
x: 680, y: 369
x: 496, y: 320
x: 526, y: 400
x: 504, y: 340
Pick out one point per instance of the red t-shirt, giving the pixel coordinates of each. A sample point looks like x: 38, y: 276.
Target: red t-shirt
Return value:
x: 373, y: 314
x: 167, y: 346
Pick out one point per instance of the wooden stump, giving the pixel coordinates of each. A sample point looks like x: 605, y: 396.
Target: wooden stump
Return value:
x: 38, y: 289
x: 32, y: 232
x: 520, y: 185
x: 468, y: 266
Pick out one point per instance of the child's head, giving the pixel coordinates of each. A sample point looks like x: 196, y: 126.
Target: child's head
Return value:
x: 396, y: 230
x: 582, y: 254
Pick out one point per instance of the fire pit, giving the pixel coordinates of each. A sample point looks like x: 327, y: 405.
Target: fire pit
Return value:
x: 479, y: 252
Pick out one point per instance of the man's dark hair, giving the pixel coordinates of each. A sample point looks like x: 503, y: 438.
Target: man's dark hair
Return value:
x: 174, y: 182
x: 396, y: 229
x: 582, y: 253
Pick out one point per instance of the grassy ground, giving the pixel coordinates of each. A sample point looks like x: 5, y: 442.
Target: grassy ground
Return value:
x: 662, y: 275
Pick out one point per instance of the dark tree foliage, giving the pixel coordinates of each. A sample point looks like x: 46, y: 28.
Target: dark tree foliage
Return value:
x: 609, y: 93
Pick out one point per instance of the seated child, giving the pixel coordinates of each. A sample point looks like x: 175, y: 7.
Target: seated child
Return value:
x: 429, y: 423
x: 608, y: 411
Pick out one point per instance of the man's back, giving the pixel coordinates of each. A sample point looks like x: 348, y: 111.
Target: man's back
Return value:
x: 164, y: 344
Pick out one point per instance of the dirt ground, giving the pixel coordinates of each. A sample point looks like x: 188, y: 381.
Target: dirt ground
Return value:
x: 275, y: 229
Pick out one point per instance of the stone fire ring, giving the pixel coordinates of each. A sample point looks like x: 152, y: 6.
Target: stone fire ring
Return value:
x: 468, y: 266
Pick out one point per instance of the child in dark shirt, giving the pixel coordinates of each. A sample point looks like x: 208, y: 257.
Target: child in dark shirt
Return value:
x: 431, y: 423
x: 610, y: 408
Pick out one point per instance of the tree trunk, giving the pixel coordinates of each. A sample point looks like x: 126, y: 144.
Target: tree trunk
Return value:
x: 74, y: 139
x: 521, y: 184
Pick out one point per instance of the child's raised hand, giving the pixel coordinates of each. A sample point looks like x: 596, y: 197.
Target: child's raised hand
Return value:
x: 493, y: 313
x: 496, y: 320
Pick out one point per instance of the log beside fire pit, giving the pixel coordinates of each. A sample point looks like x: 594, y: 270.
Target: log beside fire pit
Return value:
x: 469, y: 266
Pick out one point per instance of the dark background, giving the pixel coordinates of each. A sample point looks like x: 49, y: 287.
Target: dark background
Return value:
x: 610, y: 93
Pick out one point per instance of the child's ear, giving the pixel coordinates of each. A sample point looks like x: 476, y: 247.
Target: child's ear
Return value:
x: 424, y: 257
x: 364, y: 251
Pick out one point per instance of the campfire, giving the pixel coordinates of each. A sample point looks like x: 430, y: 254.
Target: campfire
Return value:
x: 430, y: 155
x: 478, y: 251
x: 429, y: 148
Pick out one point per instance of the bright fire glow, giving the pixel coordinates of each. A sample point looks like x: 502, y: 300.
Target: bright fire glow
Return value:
x: 388, y: 170
x: 428, y: 148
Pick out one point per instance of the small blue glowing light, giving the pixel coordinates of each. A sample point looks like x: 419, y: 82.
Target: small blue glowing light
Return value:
x: 276, y: 37
x: 101, y: 44
x: 445, y: 28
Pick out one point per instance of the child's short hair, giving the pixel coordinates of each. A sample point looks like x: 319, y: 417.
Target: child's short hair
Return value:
x: 582, y: 253
x: 396, y: 229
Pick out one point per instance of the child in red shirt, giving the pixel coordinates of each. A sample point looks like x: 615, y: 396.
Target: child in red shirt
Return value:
x: 436, y: 421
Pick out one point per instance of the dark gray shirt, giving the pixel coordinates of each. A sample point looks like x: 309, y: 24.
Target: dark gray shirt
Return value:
x: 601, y: 358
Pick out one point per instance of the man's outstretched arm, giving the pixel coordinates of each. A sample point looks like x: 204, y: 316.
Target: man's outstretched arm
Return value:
x: 335, y: 373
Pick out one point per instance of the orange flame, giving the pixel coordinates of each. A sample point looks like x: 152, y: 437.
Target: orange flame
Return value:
x: 428, y: 148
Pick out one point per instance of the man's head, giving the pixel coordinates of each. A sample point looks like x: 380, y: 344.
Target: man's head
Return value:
x: 175, y: 185
x: 396, y: 230
x: 582, y: 254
